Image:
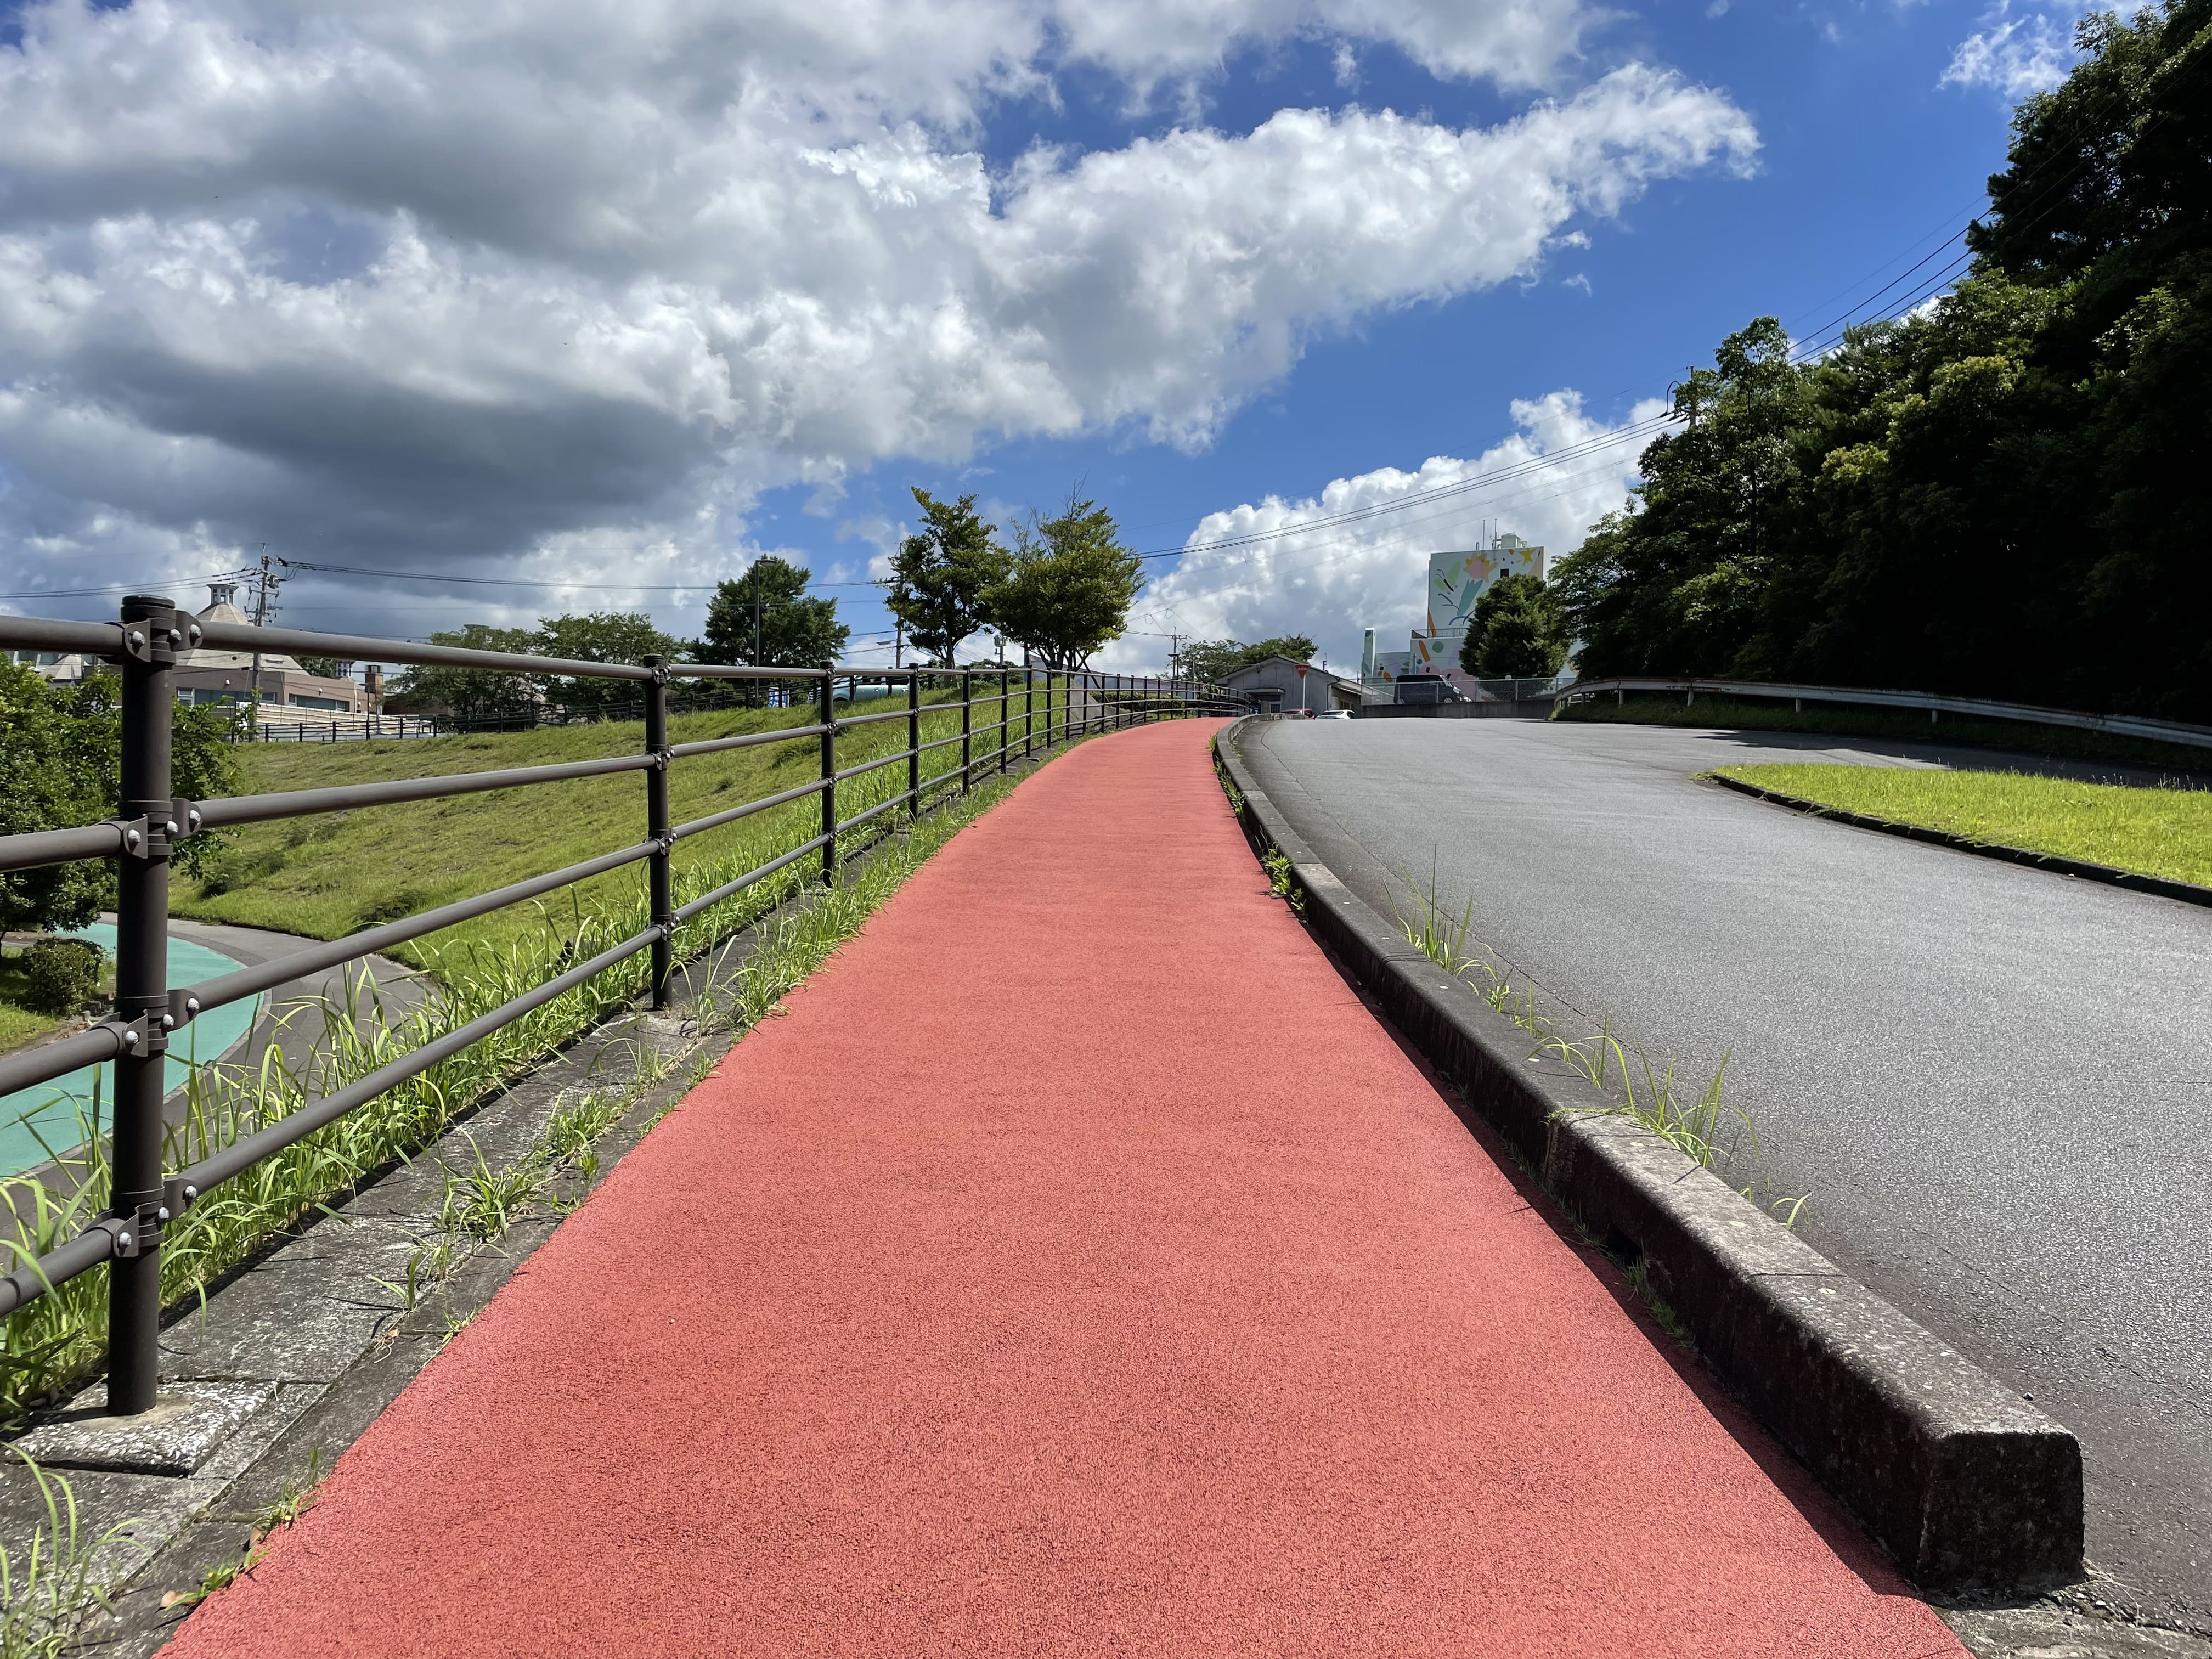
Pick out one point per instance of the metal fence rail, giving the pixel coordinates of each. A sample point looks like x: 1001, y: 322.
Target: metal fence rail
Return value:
x: 2122, y: 726
x: 151, y: 822
x: 342, y: 728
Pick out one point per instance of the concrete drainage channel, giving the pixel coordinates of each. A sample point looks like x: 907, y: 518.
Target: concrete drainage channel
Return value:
x: 1974, y: 1492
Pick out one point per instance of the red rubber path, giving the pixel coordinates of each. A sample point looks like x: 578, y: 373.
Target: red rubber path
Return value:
x: 1076, y: 1269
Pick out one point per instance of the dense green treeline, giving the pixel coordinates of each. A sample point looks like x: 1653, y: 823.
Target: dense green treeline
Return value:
x: 2005, y: 493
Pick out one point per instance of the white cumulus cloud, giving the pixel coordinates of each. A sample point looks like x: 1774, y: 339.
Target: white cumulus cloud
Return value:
x: 563, y: 287
x: 1356, y: 555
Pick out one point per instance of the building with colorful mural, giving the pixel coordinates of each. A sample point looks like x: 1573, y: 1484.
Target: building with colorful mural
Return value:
x: 1456, y: 580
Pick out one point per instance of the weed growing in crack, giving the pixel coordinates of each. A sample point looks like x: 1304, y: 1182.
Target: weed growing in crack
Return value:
x: 288, y: 1506
x: 1709, y: 1129
x: 47, y: 1593
x: 1277, y: 864
x: 481, y: 1203
x: 294, y: 1501
x: 1228, y: 785
x: 574, y: 1130
x: 1432, y: 930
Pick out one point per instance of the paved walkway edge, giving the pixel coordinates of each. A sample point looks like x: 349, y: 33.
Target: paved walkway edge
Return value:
x: 2057, y: 863
x: 1965, y: 1482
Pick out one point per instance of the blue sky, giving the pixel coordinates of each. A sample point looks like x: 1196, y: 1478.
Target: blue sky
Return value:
x: 609, y: 305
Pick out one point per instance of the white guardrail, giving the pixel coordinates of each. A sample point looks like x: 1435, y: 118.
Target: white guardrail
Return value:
x: 2123, y: 726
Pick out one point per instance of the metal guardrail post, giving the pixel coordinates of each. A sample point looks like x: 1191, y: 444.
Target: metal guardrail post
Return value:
x: 827, y: 708
x: 1028, y: 710
x: 658, y: 877
x: 141, y: 998
x: 1006, y: 712
x: 914, y: 744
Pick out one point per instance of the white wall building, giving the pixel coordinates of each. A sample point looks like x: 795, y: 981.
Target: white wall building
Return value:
x: 1456, y: 580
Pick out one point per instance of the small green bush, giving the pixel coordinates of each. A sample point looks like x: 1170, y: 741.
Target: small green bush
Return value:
x: 61, y: 976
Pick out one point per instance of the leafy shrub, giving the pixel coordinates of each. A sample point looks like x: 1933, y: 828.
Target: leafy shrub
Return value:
x: 61, y: 976
x: 59, y: 759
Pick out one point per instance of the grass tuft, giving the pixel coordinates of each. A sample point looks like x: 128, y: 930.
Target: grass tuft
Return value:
x: 47, y: 1592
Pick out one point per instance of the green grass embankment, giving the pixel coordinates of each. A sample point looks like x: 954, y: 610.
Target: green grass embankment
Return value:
x: 2155, y: 831
x: 328, y: 875
x: 1904, y: 724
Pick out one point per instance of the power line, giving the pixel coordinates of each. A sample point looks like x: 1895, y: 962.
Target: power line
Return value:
x: 123, y: 587
x: 520, y: 581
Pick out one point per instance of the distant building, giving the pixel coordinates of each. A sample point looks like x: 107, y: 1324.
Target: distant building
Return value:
x: 1277, y: 685
x: 288, y: 691
x: 1456, y: 580
x: 56, y: 667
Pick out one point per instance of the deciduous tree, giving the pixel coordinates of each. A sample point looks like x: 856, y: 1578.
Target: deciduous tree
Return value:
x: 940, y: 575
x: 1516, y: 633
x: 1070, y: 586
x: 471, y: 694
x: 1215, y: 660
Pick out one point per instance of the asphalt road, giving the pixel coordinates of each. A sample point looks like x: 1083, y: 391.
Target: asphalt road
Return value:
x: 1994, y: 1083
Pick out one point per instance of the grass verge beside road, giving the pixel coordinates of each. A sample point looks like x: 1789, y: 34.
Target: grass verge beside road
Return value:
x: 2157, y: 832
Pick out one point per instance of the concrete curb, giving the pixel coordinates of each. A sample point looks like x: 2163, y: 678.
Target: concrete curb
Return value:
x: 1967, y: 1484
x: 2057, y: 864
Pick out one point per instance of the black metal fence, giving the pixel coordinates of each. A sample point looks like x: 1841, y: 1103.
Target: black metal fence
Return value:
x: 145, y: 644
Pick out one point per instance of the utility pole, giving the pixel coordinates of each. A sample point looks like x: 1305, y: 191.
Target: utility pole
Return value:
x: 266, y: 583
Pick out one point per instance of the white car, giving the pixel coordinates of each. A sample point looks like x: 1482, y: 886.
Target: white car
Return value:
x: 1333, y: 715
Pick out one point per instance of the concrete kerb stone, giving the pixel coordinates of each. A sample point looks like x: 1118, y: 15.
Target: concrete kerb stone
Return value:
x: 1967, y: 1484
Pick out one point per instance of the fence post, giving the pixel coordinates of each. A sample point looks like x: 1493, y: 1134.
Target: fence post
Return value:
x: 826, y: 718
x: 141, y: 999
x: 658, y: 878
x: 914, y: 745
x: 967, y: 721
x: 1028, y: 709
x: 1006, y: 711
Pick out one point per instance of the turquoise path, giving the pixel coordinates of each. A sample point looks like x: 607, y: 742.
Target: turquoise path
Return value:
x: 47, y: 1118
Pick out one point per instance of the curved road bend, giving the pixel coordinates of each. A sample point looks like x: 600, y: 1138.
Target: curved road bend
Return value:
x: 1993, y: 1082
